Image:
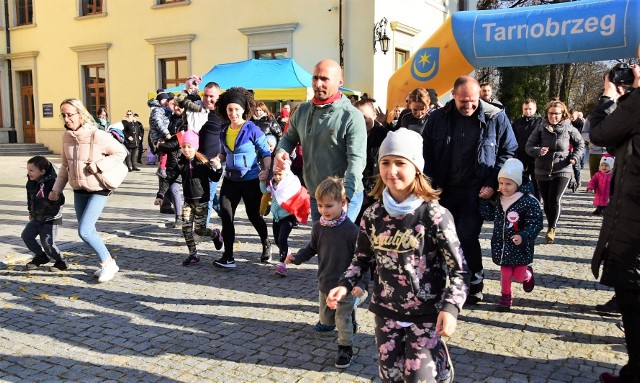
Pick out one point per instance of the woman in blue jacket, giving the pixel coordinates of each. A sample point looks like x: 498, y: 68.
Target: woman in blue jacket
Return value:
x: 244, y: 145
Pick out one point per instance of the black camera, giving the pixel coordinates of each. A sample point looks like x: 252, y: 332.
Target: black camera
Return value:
x: 621, y: 74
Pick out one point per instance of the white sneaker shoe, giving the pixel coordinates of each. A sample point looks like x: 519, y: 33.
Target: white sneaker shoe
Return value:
x: 108, y: 271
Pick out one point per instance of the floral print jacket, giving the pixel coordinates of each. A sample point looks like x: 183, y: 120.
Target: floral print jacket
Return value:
x: 412, y: 256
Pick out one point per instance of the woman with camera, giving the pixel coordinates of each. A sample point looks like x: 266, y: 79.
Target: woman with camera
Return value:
x: 615, y: 124
x: 93, y: 164
x: 556, y: 146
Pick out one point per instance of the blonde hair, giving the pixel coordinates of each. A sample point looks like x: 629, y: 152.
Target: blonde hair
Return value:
x: 85, y: 116
x: 331, y: 187
x: 421, y: 188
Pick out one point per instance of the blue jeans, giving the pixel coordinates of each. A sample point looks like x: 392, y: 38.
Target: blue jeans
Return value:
x: 354, y: 208
x: 48, y: 233
x: 88, y: 210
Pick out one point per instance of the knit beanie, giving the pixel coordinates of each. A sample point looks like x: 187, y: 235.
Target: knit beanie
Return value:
x: 189, y: 137
x: 404, y: 143
x: 607, y: 160
x: 512, y: 169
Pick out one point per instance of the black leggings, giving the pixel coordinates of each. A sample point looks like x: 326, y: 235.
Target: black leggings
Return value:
x: 230, y: 195
x: 281, y: 231
x: 551, y: 193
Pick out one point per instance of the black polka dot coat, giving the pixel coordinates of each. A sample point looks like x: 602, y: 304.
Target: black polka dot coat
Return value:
x: 523, y: 217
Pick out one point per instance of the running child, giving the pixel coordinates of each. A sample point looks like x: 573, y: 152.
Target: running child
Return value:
x: 196, y: 171
x: 289, y: 204
x: 600, y: 184
x: 333, y: 239
x: 44, y: 215
x: 411, y: 241
x: 517, y: 220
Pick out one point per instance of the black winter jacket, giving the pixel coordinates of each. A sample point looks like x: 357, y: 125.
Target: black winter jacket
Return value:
x: 268, y: 126
x: 560, y: 139
x: 619, y: 242
x: 195, y: 179
x: 522, y: 129
x: 496, y: 143
x: 40, y: 207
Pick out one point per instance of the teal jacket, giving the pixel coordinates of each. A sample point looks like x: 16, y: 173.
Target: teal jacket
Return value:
x: 334, y: 143
x: 277, y: 211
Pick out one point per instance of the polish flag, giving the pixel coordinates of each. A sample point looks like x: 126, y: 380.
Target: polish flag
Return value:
x: 292, y: 196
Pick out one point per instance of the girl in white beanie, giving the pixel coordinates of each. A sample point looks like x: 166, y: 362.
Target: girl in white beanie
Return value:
x: 517, y: 220
x: 412, y: 242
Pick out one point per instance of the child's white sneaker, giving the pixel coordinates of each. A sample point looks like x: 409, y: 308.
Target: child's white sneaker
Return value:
x: 108, y: 271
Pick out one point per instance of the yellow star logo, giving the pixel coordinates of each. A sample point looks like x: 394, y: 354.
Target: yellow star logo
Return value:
x: 424, y: 59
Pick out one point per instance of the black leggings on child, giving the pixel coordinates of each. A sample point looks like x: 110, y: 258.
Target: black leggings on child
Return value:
x: 281, y: 231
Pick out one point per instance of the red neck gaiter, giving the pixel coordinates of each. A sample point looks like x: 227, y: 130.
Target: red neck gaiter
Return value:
x: 327, y: 101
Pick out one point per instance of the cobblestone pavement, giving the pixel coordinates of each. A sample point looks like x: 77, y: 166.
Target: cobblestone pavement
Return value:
x: 160, y: 322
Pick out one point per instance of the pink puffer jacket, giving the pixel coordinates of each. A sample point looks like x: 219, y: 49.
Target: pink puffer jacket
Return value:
x: 601, y: 184
x: 76, y: 147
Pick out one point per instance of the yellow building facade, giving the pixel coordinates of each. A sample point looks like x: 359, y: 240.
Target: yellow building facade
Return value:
x: 113, y: 53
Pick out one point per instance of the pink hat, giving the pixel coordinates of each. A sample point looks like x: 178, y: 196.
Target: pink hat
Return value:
x: 189, y: 137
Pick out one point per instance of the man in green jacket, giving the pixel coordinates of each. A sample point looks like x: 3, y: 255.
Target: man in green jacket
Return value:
x: 333, y: 136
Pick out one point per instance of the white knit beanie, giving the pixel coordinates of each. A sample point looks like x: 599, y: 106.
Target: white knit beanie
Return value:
x: 512, y: 169
x: 404, y: 143
x: 607, y: 160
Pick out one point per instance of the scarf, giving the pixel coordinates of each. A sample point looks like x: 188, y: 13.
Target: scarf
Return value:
x: 330, y: 100
x: 508, y: 201
x: 396, y: 209
x: 333, y: 222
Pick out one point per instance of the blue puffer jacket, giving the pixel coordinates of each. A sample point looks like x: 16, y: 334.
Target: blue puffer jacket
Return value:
x: 242, y: 163
x: 496, y: 144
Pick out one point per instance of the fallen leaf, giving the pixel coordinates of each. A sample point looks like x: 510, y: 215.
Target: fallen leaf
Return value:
x: 74, y: 297
x: 22, y: 288
x: 41, y: 296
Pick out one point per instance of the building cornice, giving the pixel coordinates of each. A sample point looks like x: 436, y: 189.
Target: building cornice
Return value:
x: 91, y: 47
x: 289, y: 27
x: 397, y: 26
x: 171, y: 39
x: 22, y: 55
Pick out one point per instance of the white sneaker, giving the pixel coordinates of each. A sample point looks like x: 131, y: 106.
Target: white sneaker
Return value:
x: 108, y: 271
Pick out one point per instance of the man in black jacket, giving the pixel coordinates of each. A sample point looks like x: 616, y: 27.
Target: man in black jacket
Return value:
x: 466, y: 142
x: 617, y: 124
x: 522, y: 128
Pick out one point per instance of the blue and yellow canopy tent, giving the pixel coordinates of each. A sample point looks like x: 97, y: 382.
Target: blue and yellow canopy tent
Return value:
x: 280, y: 79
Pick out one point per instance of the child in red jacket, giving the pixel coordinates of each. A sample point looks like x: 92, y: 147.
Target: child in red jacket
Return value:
x: 600, y: 184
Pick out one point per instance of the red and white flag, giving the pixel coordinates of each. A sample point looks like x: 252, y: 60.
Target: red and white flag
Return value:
x: 292, y: 196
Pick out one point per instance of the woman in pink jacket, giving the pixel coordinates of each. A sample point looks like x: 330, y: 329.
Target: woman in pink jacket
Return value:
x: 90, y: 158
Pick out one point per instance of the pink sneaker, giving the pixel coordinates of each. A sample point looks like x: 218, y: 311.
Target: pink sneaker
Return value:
x: 217, y: 239
x: 281, y: 270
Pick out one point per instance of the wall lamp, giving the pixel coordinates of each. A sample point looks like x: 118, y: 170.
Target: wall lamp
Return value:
x: 380, y: 35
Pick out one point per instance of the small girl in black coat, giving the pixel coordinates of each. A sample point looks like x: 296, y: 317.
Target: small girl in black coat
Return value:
x: 44, y: 215
x: 196, y: 172
x: 517, y: 221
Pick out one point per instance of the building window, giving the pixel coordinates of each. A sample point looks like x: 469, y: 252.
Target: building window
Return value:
x: 270, y: 54
x: 160, y: 2
x: 401, y: 57
x: 90, y: 7
x: 95, y: 86
x: 173, y: 71
x: 24, y: 12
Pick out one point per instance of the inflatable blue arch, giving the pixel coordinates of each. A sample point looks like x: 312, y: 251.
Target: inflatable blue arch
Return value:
x: 580, y: 31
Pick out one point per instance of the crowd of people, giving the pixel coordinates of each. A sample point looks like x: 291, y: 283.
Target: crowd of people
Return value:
x: 400, y: 201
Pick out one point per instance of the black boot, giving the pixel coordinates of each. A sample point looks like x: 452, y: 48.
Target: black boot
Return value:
x: 37, y: 261
x: 266, y: 252
x: 610, y: 307
x: 345, y: 354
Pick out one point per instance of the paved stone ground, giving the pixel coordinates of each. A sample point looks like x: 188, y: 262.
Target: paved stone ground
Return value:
x: 160, y: 322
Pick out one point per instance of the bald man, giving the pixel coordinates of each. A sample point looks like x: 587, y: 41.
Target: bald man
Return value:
x: 466, y: 142
x: 333, y: 136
